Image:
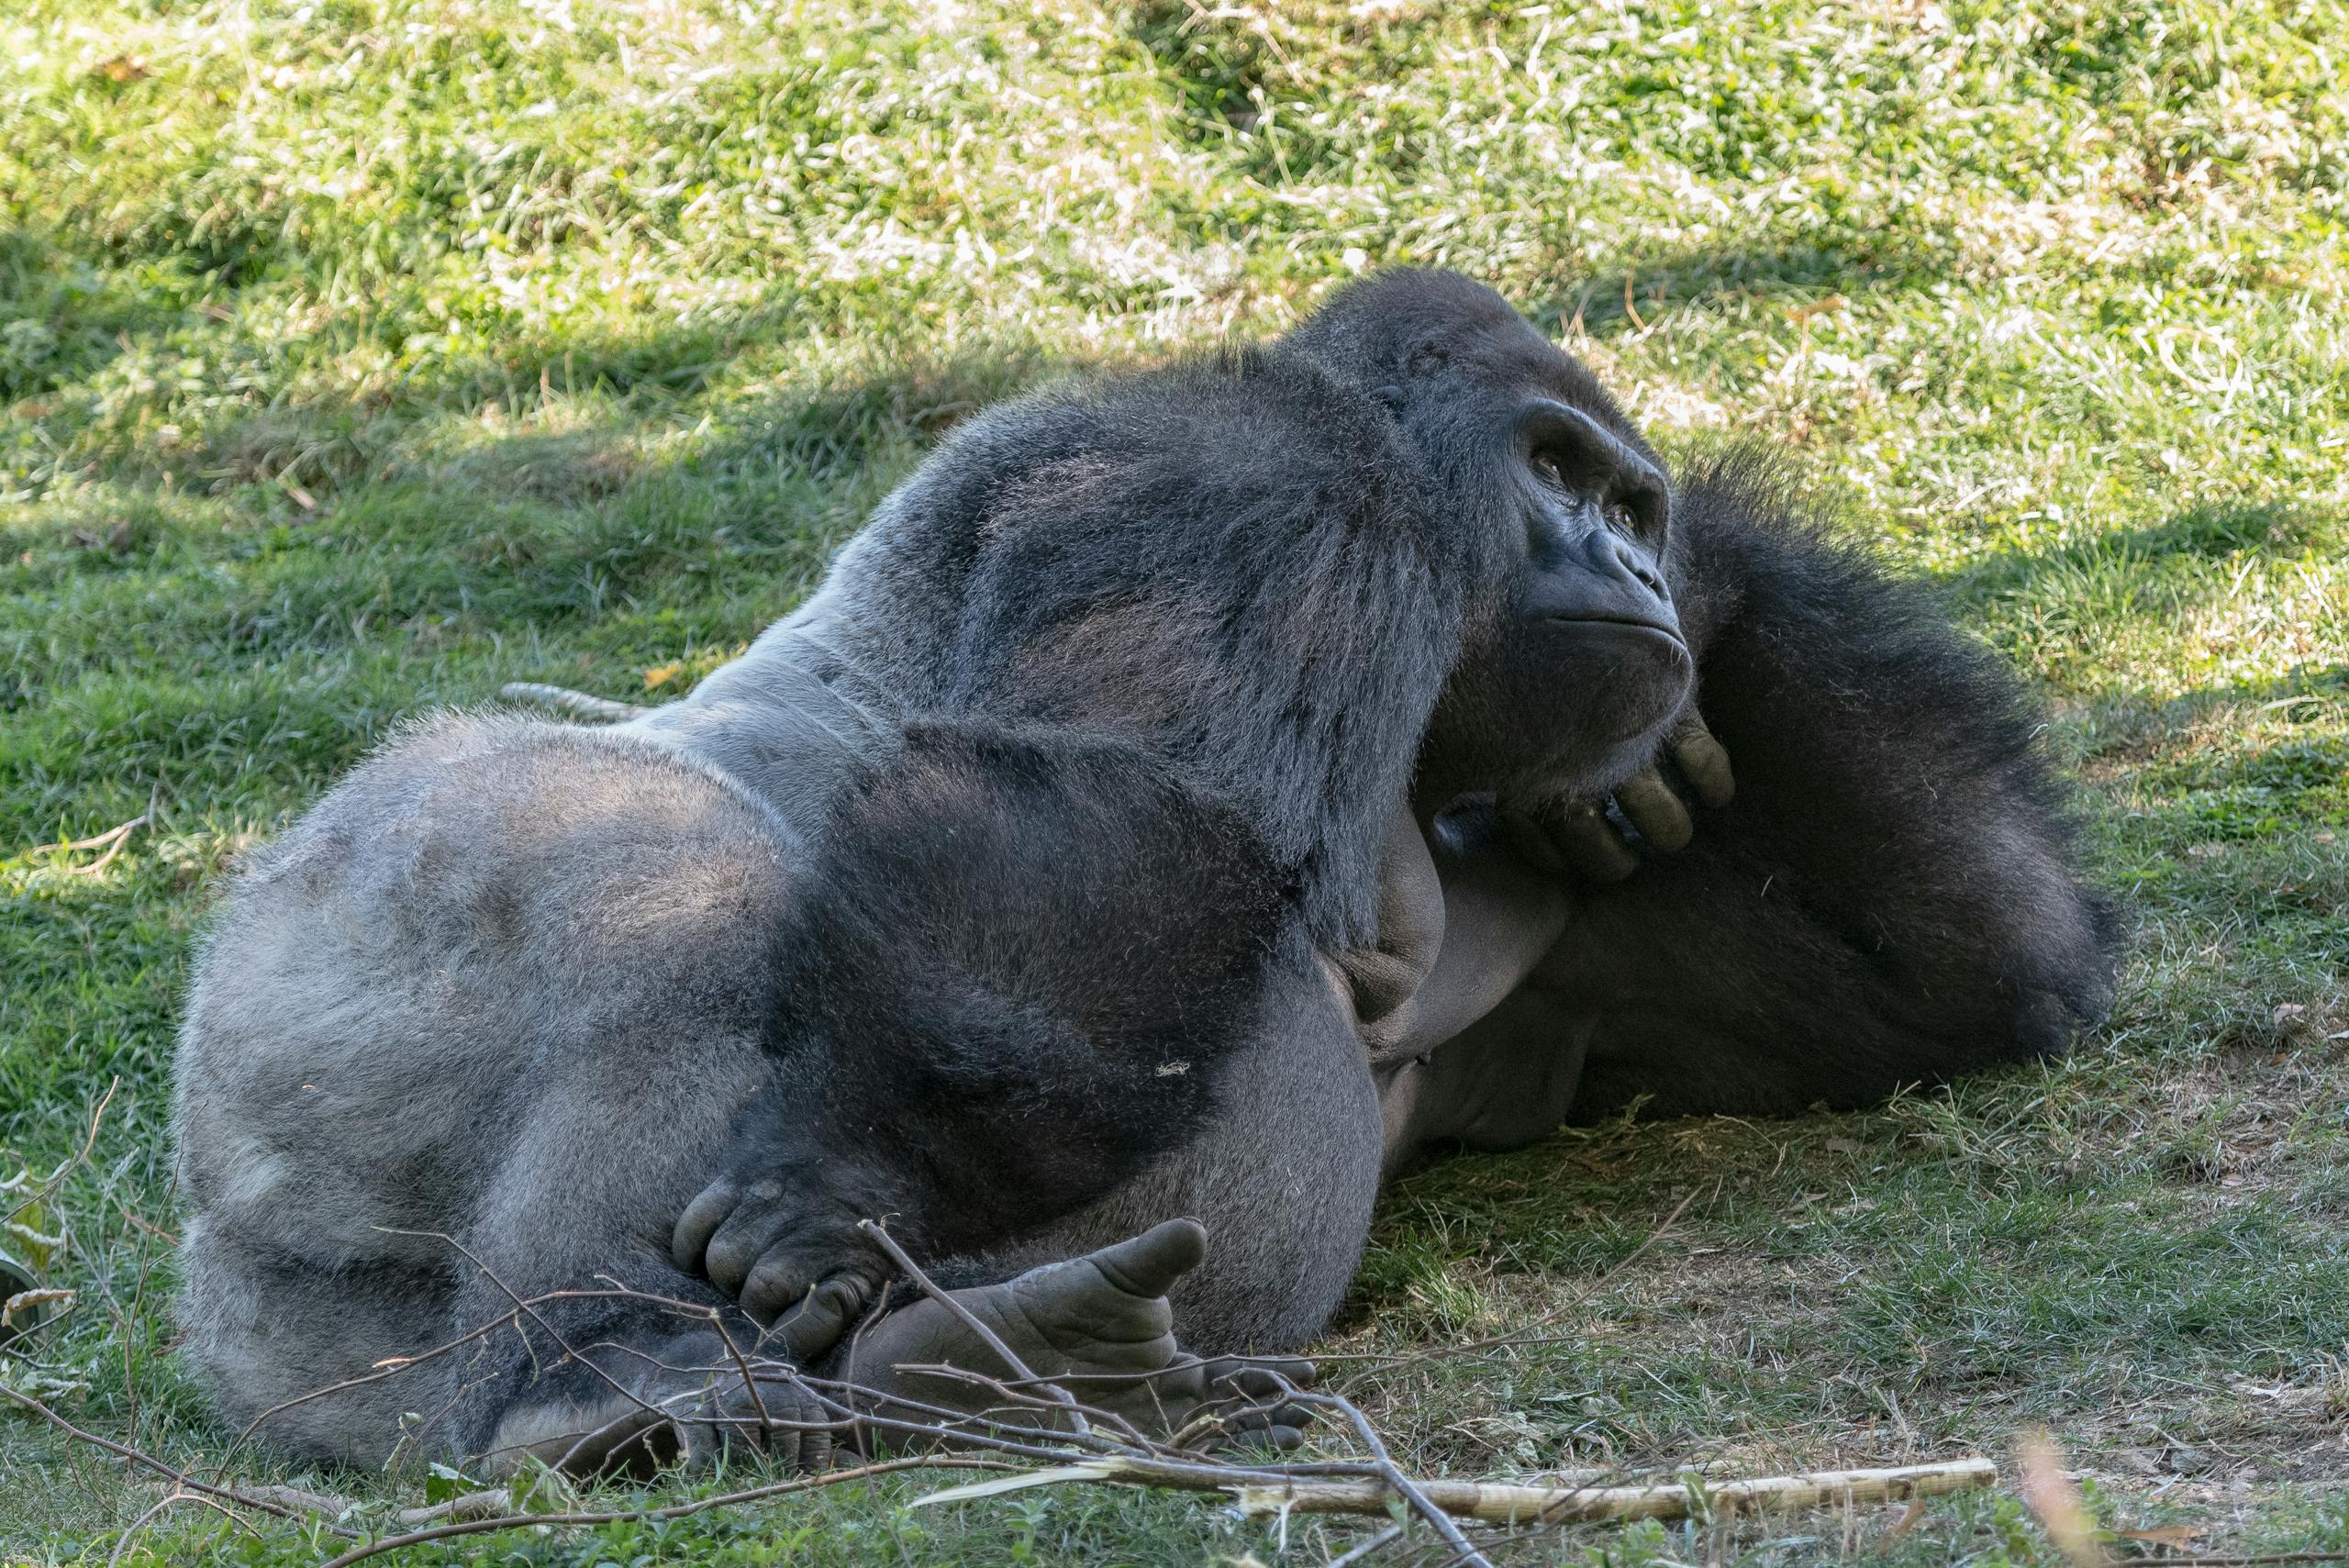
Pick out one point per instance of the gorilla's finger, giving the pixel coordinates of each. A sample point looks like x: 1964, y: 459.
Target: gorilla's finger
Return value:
x: 1704, y: 761
x: 1651, y: 808
x: 1590, y: 843
x: 1148, y: 1265
x: 774, y: 1282
x: 690, y: 1240
x: 1261, y: 1378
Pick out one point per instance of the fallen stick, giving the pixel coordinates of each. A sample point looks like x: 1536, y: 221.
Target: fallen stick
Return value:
x: 1502, y: 1505
x: 1494, y: 1502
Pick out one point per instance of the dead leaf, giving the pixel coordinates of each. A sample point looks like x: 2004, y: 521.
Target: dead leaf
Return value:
x: 23, y: 1310
x: 1909, y: 1517
x: 121, y: 68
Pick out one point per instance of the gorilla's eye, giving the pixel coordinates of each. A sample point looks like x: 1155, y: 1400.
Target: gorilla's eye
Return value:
x: 1619, y: 518
x: 1547, y: 468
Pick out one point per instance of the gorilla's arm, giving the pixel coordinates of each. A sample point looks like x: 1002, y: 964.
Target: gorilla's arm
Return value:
x: 1011, y: 978
x: 1891, y: 897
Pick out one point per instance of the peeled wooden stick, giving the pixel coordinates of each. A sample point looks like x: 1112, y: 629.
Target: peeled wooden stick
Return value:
x: 1501, y: 1504
x: 1493, y: 1503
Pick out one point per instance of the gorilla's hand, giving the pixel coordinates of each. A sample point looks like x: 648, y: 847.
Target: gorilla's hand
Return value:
x: 1583, y: 836
x: 793, y: 1255
x: 1380, y: 983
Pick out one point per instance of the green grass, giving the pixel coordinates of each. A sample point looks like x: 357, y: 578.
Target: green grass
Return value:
x: 358, y: 355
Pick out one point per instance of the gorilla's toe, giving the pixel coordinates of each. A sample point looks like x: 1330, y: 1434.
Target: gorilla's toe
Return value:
x: 1148, y: 1264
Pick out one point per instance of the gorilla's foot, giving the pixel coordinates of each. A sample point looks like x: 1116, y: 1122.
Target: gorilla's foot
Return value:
x: 1100, y: 1328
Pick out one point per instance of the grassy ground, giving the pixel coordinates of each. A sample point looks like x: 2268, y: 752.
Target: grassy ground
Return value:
x: 358, y: 355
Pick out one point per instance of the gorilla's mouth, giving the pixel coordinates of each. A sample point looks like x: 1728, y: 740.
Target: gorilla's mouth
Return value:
x: 1616, y: 625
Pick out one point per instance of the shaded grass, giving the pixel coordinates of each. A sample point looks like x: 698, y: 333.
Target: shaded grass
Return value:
x: 358, y: 355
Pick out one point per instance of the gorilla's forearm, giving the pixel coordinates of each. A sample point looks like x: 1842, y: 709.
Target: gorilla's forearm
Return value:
x: 1893, y: 894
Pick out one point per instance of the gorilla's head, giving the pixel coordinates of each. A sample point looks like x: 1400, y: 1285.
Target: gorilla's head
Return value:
x: 1576, y: 664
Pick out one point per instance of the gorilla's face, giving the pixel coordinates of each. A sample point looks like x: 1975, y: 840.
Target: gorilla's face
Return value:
x: 1575, y: 664
x: 1571, y: 686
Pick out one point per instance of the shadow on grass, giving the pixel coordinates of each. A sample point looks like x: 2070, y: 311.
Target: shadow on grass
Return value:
x: 1611, y: 303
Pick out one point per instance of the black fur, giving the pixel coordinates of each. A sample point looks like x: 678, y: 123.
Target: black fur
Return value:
x: 1235, y: 563
x: 1018, y: 965
x: 1892, y: 898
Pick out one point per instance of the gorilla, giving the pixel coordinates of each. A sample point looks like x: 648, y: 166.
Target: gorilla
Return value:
x: 1194, y: 795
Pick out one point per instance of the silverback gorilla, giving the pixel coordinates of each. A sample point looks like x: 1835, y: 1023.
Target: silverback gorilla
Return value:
x: 1183, y: 801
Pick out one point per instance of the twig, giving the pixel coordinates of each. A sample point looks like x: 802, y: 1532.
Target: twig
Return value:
x: 970, y: 1320
x: 2257, y: 1561
x: 56, y: 1178
x: 1493, y: 1503
x: 742, y: 1364
x: 303, y: 1500
x: 672, y: 1511
x: 111, y: 840
x: 394, y: 1366
x: 1013, y: 1392
x: 1364, y: 1546
x: 178, y: 1478
x: 643, y: 1405
x: 175, y: 1496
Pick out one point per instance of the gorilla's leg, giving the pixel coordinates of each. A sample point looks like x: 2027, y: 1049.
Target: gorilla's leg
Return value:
x: 632, y: 1363
x: 1053, y: 997
x: 1283, y: 1176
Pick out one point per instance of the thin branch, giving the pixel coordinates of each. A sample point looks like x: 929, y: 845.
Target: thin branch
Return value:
x: 56, y: 1178
x: 1365, y: 1547
x: 523, y: 1305
x: 672, y: 1511
x: 970, y: 1320
x: 1493, y: 1503
x: 2258, y: 1561
x: 169, y: 1499
x: 178, y: 1478
x: 1402, y: 1485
